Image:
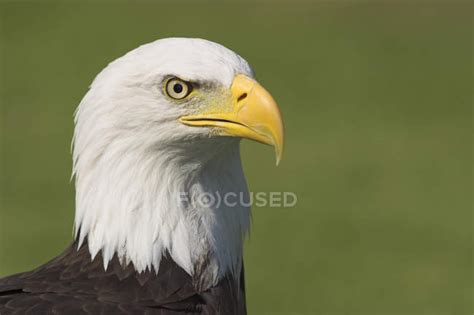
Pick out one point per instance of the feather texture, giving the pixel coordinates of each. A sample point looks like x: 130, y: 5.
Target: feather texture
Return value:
x: 133, y: 161
x: 145, y: 243
x: 72, y: 283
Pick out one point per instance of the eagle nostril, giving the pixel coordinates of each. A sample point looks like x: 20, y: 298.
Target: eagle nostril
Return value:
x: 242, y: 97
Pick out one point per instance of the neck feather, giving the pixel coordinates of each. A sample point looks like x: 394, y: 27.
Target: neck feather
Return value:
x: 140, y: 203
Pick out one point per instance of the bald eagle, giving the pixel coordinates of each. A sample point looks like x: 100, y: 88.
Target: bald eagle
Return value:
x: 163, y: 121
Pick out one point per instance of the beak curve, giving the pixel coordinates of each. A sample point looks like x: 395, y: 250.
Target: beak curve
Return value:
x: 253, y: 114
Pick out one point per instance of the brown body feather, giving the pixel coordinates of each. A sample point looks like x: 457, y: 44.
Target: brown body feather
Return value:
x: 73, y: 284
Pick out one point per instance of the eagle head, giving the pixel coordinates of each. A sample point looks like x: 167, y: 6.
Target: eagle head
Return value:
x: 163, y: 121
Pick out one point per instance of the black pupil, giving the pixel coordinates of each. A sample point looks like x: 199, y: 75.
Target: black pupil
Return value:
x: 177, y: 88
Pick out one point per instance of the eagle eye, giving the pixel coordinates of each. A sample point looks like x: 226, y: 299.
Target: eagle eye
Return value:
x: 177, y: 88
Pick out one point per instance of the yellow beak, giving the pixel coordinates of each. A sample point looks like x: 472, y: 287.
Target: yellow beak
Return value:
x: 252, y: 114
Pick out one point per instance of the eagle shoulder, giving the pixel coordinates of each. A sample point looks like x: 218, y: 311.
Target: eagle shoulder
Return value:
x: 73, y: 283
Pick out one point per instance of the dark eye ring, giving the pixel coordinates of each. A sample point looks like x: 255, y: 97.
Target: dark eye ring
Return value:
x: 177, y: 88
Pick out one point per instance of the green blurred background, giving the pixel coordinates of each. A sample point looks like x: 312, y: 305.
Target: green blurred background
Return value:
x: 377, y: 102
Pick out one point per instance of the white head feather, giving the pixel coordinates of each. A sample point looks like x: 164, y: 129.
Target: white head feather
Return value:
x: 132, y: 159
